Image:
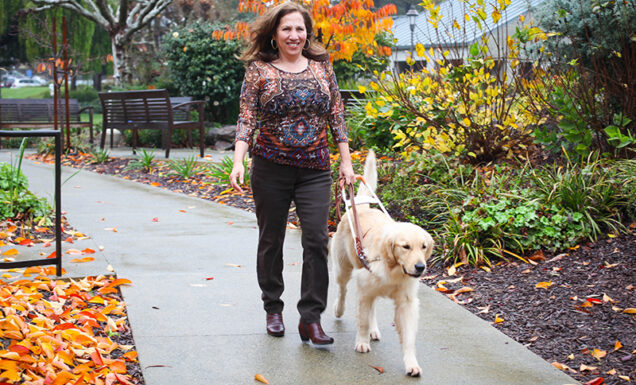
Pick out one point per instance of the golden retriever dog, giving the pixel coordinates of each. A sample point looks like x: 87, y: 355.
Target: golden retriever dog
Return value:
x: 397, y: 253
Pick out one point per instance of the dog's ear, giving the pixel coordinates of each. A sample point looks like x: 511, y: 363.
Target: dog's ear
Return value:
x: 388, y: 247
x: 430, y: 245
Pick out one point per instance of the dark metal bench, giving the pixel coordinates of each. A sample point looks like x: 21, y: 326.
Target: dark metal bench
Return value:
x: 150, y: 109
x: 39, y: 113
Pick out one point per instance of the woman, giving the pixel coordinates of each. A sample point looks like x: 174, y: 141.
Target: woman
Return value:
x: 290, y: 96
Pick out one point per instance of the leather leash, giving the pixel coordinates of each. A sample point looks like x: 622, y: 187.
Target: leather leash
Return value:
x: 357, y: 230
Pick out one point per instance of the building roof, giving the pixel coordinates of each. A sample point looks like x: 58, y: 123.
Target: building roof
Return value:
x: 454, y: 10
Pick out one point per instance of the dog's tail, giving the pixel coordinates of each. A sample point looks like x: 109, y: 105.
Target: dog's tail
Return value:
x: 370, y: 175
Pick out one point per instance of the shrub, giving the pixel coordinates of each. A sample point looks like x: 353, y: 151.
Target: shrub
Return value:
x: 206, y: 69
x: 589, y: 57
x: 482, y: 213
x: 16, y: 201
x: 470, y: 108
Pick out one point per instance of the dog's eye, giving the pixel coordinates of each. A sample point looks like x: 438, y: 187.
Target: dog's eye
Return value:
x: 407, y: 247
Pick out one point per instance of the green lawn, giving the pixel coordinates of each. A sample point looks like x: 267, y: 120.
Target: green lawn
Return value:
x: 25, y: 92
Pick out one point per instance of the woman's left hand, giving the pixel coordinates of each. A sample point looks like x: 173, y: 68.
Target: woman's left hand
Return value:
x: 346, y: 169
x: 346, y: 173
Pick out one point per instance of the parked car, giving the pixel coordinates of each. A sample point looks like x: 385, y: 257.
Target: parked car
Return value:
x: 26, y: 82
x: 7, y: 81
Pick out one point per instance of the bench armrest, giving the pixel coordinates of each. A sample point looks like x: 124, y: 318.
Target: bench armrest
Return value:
x: 90, y: 113
x: 198, y: 103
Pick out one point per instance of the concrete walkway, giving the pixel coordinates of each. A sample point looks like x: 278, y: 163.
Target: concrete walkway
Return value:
x: 190, y: 329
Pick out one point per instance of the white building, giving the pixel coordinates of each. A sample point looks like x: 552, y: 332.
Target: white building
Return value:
x: 457, y: 41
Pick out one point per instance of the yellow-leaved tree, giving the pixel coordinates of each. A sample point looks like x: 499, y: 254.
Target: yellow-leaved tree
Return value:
x: 343, y: 28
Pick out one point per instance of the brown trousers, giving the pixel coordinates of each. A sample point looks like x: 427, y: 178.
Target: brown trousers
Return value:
x: 274, y: 187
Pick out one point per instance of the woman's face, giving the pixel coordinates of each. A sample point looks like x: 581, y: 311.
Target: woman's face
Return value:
x: 291, y: 35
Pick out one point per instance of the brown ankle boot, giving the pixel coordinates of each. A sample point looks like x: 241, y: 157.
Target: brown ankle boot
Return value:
x: 314, y: 332
x: 275, y: 326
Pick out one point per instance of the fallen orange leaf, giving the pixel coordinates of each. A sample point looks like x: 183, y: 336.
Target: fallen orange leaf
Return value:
x: 378, y: 368
x: 88, y: 251
x: 618, y: 345
x: 11, y: 252
x: 119, y: 281
x: 598, y: 353
x: 26, y: 242
x: 97, y: 358
x: 155, y: 184
x: 596, y: 381
x: 260, y: 378
x: 498, y: 320
x: 630, y: 310
x: 544, y: 285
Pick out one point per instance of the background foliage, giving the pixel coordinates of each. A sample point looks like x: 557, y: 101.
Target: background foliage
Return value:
x: 206, y: 69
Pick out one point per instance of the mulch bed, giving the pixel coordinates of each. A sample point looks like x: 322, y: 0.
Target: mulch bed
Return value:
x: 574, y: 309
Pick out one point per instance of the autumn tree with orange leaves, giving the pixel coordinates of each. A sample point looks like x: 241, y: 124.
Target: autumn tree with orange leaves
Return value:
x: 343, y: 28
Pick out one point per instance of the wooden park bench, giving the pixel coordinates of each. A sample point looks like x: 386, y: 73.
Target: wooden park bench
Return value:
x: 39, y: 113
x: 150, y: 110
x: 352, y: 99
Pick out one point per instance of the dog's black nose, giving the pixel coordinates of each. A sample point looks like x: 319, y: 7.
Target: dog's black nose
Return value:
x: 420, y: 267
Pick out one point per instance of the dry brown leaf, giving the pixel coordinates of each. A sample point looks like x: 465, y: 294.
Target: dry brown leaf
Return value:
x: 563, y: 367
x: 586, y: 368
x: 464, y: 289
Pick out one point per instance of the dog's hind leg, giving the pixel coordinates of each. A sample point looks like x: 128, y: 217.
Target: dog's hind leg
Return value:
x: 342, y: 269
x: 406, y: 319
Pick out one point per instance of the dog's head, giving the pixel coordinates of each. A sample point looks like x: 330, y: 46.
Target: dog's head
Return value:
x: 407, y: 248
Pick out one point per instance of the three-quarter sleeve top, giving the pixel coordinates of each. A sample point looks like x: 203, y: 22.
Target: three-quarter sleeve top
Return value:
x: 291, y: 112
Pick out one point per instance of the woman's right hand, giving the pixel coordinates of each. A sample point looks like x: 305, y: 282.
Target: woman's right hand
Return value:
x: 237, y: 176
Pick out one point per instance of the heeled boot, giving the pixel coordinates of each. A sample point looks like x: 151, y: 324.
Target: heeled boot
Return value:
x: 313, y: 331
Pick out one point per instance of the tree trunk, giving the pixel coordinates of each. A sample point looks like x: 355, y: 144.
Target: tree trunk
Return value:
x: 121, y: 62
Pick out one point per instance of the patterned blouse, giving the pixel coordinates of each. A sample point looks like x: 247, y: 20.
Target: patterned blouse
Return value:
x: 291, y: 112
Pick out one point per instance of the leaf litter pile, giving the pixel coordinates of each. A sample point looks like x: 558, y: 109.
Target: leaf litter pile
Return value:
x: 56, y: 331
x: 577, y: 309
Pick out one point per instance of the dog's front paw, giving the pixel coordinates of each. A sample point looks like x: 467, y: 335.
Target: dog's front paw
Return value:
x: 363, y: 347
x: 375, y: 335
x: 412, y: 368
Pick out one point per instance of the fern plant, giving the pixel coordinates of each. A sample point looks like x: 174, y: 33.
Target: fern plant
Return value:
x: 221, y: 171
x: 185, y: 168
x: 143, y: 161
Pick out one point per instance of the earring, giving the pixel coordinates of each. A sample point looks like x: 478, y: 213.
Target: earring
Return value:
x: 307, y: 44
x: 273, y: 43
